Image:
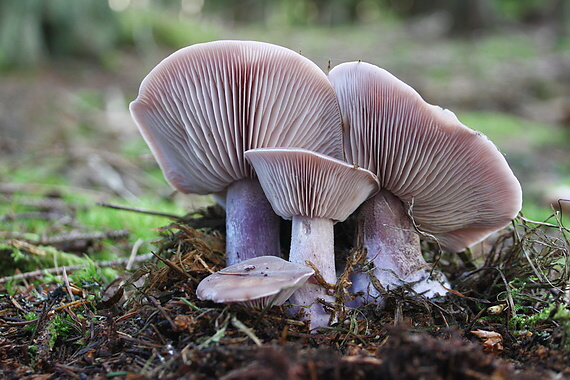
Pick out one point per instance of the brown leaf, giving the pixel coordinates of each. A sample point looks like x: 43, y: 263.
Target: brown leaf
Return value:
x: 492, y: 341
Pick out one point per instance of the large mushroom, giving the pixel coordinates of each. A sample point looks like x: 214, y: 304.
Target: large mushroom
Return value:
x: 439, y: 178
x: 314, y: 191
x: 202, y: 107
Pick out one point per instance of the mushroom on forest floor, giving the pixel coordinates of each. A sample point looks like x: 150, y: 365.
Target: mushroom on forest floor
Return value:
x: 202, y: 107
x: 439, y: 178
x: 314, y: 191
x: 258, y: 283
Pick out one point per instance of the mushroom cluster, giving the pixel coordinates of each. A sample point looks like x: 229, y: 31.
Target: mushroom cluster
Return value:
x: 272, y: 136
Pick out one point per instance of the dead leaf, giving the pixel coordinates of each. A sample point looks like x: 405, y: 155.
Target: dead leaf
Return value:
x: 492, y: 341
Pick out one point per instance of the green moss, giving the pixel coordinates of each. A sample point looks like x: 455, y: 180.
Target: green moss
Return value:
x: 529, y: 322
x: 554, y: 312
x: 30, y: 316
x: 139, y: 224
x: 526, y: 317
x: 59, y: 328
x: 93, y: 274
x: 82, y: 208
x: 14, y: 256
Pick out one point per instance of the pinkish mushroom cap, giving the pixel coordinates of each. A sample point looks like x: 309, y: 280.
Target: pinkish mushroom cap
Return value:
x: 455, y: 183
x: 258, y: 283
x: 301, y: 182
x: 203, y: 106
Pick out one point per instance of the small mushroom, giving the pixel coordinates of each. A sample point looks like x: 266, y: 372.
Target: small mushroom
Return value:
x: 258, y: 283
x: 202, y: 107
x: 314, y: 191
x: 439, y: 178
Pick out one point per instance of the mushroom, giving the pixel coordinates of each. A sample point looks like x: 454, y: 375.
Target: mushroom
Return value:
x: 258, y: 283
x: 204, y: 105
x: 314, y: 191
x: 439, y: 178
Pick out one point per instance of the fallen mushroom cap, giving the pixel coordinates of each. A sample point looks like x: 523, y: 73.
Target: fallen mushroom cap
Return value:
x: 206, y: 104
x: 456, y: 184
x: 258, y: 283
x: 300, y: 182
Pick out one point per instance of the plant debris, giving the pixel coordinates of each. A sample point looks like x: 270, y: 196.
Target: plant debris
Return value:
x: 506, y: 317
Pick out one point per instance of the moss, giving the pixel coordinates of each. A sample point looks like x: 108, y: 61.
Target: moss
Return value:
x: 16, y: 254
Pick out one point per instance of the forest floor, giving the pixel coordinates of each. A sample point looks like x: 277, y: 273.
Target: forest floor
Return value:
x: 506, y: 318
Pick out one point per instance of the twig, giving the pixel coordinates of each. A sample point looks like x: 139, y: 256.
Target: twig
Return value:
x: 246, y: 330
x: 69, y: 237
x: 139, y: 210
x: 66, y: 283
x: 319, y: 277
x: 162, y: 311
x: 9, y: 217
x: 172, y: 266
x: 527, y: 220
x: 70, y: 268
x: 133, y: 255
x: 75, y: 236
x: 27, y: 247
x: 129, y: 338
x: 42, y: 189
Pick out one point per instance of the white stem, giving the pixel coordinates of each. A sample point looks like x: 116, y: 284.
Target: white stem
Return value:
x: 252, y: 227
x: 312, y: 239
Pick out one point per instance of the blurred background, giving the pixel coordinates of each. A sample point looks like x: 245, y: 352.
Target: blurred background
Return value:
x: 68, y: 70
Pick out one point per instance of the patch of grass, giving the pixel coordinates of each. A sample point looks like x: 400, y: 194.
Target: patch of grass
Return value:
x: 90, y: 218
x: 16, y: 254
x: 510, y: 132
x: 141, y: 226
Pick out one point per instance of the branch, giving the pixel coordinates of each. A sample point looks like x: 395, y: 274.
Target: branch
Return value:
x: 72, y: 268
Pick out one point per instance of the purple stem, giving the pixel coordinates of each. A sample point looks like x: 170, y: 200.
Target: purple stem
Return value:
x: 252, y: 227
x: 393, y: 246
x: 312, y: 239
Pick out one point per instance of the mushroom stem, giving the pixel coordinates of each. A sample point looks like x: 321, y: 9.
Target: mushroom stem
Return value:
x: 312, y: 239
x: 392, y: 244
x: 252, y: 227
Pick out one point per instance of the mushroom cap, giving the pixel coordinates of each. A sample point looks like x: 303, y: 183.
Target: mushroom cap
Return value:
x: 301, y: 182
x: 206, y: 104
x: 258, y: 283
x: 455, y: 182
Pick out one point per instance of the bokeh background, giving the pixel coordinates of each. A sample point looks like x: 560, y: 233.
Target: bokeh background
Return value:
x: 68, y: 70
